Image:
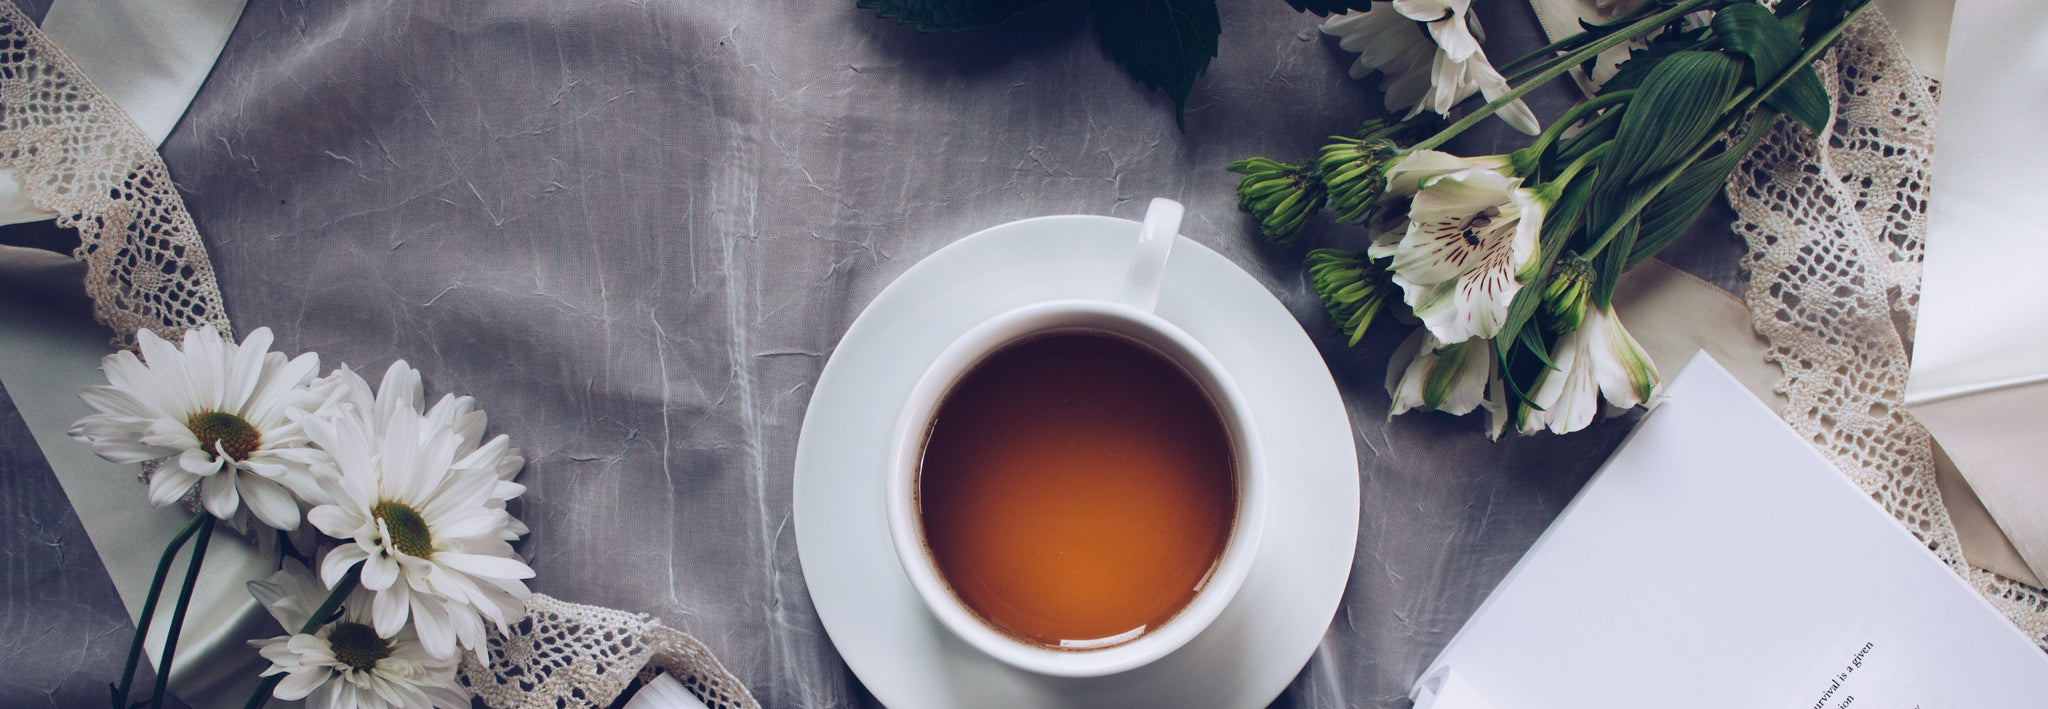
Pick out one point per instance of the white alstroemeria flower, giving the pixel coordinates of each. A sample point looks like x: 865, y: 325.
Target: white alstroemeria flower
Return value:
x: 215, y: 414
x: 1470, y: 233
x: 345, y: 664
x: 1428, y: 56
x: 1455, y: 378
x: 430, y: 538
x: 401, y: 388
x: 1598, y: 360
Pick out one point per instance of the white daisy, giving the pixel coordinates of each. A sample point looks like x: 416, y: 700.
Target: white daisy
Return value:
x: 224, y: 411
x: 431, y: 541
x: 346, y: 664
x: 1471, y: 231
x: 401, y: 388
x: 1598, y: 360
x: 1428, y: 56
x: 1454, y: 378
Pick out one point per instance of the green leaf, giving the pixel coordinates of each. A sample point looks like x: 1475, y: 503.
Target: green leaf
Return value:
x: 1326, y: 8
x: 1532, y: 341
x: 1753, y: 32
x: 1613, y: 261
x: 1675, y: 108
x: 947, y: 15
x: 1666, y: 217
x: 1164, y: 44
x: 1803, y: 99
x: 1772, y: 47
x: 1823, y: 15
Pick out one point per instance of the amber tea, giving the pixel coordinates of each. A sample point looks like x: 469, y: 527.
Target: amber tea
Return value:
x: 1076, y: 489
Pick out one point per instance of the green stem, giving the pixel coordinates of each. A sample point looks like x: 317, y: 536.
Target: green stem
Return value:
x: 1558, y: 127
x: 313, y: 623
x: 163, y: 674
x: 1558, y: 69
x: 1572, y: 170
x: 156, y: 591
x: 1549, y: 52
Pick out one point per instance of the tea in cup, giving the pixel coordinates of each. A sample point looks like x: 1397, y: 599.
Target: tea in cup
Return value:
x: 1075, y: 486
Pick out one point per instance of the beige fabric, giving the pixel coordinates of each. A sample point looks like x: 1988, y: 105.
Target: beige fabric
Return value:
x: 1996, y: 442
x: 1984, y: 544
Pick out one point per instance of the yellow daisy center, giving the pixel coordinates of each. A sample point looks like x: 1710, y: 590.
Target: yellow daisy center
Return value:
x: 408, y: 529
x: 357, y: 645
x: 231, y: 432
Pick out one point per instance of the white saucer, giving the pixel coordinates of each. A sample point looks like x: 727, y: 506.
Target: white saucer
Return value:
x: 903, y: 655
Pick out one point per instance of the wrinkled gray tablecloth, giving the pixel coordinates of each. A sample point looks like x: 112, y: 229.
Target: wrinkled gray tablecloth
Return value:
x: 635, y: 230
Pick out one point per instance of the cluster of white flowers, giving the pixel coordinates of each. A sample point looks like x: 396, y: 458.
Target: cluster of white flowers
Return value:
x: 413, y: 500
x: 1428, y: 56
x: 1460, y: 257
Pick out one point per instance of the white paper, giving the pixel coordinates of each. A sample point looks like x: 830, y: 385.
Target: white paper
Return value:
x: 1691, y: 572
x: 1982, y: 304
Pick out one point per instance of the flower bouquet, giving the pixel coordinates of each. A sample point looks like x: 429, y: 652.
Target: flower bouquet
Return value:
x: 1510, y: 262
x: 413, y: 550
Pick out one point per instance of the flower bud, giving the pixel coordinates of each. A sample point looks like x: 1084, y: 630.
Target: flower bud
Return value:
x: 1352, y: 288
x: 1355, y: 171
x: 1281, y: 196
x: 1564, y: 300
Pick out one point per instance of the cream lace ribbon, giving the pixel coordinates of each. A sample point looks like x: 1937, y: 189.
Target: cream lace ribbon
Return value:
x: 568, y: 655
x: 76, y: 153
x: 1836, y: 227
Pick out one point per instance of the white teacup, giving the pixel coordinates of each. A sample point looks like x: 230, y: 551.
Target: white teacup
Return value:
x: 1129, y: 318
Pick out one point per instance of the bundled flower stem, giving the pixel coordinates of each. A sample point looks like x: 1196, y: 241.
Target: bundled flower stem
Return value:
x: 156, y: 588
x: 1523, y: 251
x: 163, y: 681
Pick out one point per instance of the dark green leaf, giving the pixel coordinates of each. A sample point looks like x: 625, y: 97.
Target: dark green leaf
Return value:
x: 1164, y: 44
x: 1326, y: 8
x: 1676, y: 108
x: 1823, y: 15
x: 1532, y: 341
x: 1613, y: 261
x: 1595, y: 134
x: 1771, y: 47
x: 1754, y: 33
x: 1803, y: 99
x: 947, y: 15
x: 1667, y: 216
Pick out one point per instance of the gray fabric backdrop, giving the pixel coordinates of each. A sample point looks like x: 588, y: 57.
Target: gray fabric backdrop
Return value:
x: 634, y: 231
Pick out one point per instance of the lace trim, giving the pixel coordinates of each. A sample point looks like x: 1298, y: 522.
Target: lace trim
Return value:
x: 566, y: 655
x: 76, y: 153
x: 1836, y: 232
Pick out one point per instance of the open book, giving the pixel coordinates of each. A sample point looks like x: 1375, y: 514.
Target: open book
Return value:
x: 1718, y: 560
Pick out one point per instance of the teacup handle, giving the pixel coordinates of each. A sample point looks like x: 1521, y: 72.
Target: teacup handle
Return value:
x: 1148, y: 264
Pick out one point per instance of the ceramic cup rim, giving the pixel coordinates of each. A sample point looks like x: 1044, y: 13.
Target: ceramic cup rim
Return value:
x: 1037, y: 319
